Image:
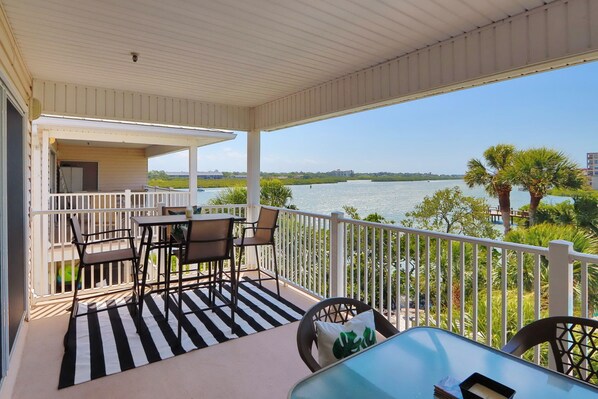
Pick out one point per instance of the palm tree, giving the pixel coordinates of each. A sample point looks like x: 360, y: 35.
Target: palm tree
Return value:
x: 539, y: 170
x: 494, y: 176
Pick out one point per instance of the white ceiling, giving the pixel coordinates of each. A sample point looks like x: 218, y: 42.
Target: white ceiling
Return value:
x: 241, y: 52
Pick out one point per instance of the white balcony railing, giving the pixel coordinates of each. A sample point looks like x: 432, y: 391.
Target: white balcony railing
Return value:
x: 479, y: 288
x: 54, y: 258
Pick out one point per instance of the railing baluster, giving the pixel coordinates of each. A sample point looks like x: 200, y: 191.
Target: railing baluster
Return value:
x: 489, y: 295
x: 449, y: 283
x: 519, y: 290
x: 504, y: 287
x: 474, y: 283
x: 427, y: 282
x: 462, y: 291
x: 417, y: 293
x: 438, y: 281
x: 398, y: 280
x: 407, y: 279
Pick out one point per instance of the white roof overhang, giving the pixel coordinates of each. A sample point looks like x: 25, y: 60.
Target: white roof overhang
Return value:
x: 262, y: 64
x: 155, y: 140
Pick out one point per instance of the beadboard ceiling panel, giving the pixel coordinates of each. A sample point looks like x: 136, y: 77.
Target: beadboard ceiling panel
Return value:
x: 237, y: 52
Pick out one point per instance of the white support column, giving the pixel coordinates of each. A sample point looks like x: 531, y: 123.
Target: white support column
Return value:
x: 37, y: 187
x: 192, y: 175
x: 253, y: 174
x: 337, y: 256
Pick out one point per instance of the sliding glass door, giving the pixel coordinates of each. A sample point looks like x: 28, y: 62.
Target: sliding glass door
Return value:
x: 13, y: 223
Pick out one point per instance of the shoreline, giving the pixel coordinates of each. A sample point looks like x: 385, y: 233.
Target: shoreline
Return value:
x: 225, y: 183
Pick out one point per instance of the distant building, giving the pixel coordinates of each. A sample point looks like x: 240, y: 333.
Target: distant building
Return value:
x: 200, y: 175
x: 342, y: 173
x: 592, y: 169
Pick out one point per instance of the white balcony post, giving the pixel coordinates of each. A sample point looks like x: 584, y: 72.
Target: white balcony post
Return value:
x: 128, y: 198
x: 253, y: 184
x: 560, y: 283
x: 192, y: 175
x: 338, y: 287
x: 560, y: 278
x: 253, y: 174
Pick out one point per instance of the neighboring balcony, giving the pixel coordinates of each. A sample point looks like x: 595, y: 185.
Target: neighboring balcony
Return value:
x: 482, y: 289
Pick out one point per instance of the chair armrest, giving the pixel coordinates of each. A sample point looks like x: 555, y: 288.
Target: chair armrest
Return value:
x: 125, y: 238
x: 105, y: 232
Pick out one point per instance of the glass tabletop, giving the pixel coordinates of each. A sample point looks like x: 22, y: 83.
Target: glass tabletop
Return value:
x: 409, y: 364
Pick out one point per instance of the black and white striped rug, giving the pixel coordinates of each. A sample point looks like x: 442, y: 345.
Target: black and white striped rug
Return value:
x: 105, y: 343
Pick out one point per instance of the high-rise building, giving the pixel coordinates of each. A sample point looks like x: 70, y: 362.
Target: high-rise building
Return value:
x: 592, y: 168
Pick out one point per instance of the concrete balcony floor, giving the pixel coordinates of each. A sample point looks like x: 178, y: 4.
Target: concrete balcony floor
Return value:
x: 262, y: 365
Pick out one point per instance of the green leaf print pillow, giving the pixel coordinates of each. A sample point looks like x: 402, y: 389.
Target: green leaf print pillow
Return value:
x: 337, y: 341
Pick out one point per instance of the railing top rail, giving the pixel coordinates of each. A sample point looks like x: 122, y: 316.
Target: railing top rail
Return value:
x: 311, y: 214
x: 99, y: 210
x: 209, y: 206
x: 117, y: 193
x: 582, y: 257
x: 448, y: 236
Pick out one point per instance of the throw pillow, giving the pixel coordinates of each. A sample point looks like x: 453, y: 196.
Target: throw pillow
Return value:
x: 337, y: 341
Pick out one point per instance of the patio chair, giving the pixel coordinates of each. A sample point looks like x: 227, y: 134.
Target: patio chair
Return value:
x: 262, y: 235
x: 89, y: 259
x: 573, y: 340
x: 334, y: 310
x: 206, y: 241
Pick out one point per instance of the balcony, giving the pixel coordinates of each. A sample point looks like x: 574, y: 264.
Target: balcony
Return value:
x: 482, y: 289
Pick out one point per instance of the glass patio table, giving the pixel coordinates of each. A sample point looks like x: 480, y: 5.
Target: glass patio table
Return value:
x: 409, y: 364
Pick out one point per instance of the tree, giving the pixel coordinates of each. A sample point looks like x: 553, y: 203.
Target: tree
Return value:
x: 272, y: 193
x: 586, y: 211
x: 372, y: 217
x: 450, y: 211
x: 231, y: 195
x: 493, y: 174
x: 539, y: 170
x: 157, y: 175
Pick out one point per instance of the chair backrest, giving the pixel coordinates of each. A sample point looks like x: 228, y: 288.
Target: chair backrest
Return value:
x: 334, y: 310
x: 208, y: 240
x: 574, y: 343
x: 170, y: 210
x: 178, y: 209
x: 78, y: 239
x: 266, y: 225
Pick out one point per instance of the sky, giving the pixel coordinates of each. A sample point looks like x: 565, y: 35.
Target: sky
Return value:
x: 439, y: 134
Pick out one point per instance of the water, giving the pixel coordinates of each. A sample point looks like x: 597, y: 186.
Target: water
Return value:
x: 390, y: 199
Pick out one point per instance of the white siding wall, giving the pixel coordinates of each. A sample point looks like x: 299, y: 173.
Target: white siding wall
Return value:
x: 12, y: 65
x: 67, y: 99
x: 118, y: 168
x: 551, y: 36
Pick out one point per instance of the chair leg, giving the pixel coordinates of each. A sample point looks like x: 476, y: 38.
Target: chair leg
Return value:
x: 234, y: 292
x: 276, y: 271
x: 241, y: 252
x: 167, y: 283
x: 211, y: 295
x: 220, y: 272
x: 180, y: 310
x: 76, y: 290
x: 257, y: 261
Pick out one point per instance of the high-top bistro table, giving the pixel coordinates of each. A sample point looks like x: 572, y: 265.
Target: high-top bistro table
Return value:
x: 147, y: 223
x: 408, y: 365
